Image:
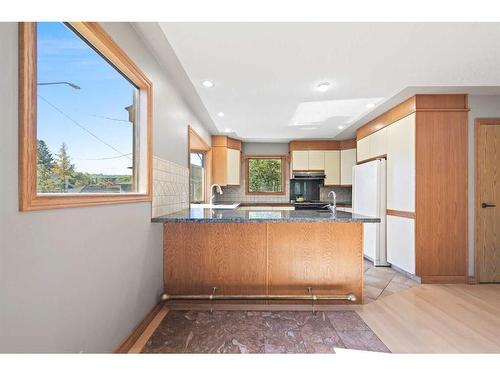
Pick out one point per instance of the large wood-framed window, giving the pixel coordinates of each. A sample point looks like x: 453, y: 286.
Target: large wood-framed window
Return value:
x: 265, y: 175
x: 85, y: 119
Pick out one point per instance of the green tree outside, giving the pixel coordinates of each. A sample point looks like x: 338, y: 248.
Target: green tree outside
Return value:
x: 63, y: 168
x: 264, y: 175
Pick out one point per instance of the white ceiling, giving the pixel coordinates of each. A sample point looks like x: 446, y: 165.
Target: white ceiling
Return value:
x: 266, y: 74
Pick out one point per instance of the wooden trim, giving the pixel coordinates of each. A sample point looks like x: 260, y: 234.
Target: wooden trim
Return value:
x: 478, y: 122
x: 196, y: 142
x: 444, y: 279
x: 283, y: 159
x: 136, y: 333
x: 313, y: 145
x: 392, y: 115
x: 29, y: 199
x: 225, y: 141
x: 420, y: 103
x: 407, y: 214
x: 348, y: 144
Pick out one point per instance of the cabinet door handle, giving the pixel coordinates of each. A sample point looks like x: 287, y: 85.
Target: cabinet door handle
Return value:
x: 486, y: 205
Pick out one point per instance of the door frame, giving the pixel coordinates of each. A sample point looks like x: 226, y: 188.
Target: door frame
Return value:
x: 478, y: 122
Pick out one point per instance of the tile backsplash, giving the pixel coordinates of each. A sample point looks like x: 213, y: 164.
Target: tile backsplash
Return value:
x: 238, y: 193
x: 170, y: 187
x: 344, y: 193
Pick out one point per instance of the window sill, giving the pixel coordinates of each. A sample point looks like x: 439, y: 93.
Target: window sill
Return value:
x: 53, y: 201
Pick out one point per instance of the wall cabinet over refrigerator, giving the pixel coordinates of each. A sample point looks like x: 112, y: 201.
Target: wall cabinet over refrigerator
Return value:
x: 226, y: 160
x: 425, y: 142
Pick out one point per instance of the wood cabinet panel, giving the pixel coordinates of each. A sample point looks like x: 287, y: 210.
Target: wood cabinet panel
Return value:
x: 332, y: 167
x: 441, y: 194
x: 327, y: 257
x: 401, y: 164
x: 347, y: 161
x: 300, y: 160
x: 317, y: 160
x: 231, y: 257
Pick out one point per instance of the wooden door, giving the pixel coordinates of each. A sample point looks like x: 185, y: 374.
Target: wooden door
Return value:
x: 488, y: 200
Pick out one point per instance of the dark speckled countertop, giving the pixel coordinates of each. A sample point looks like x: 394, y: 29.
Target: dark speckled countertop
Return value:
x: 206, y: 215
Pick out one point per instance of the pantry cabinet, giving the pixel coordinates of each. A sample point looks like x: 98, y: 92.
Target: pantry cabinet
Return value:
x: 424, y: 140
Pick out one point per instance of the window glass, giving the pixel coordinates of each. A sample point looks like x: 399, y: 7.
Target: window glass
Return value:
x: 87, y: 117
x: 265, y: 175
x: 197, y: 184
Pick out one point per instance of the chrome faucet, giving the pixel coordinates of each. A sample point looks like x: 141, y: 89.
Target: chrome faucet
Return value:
x: 218, y: 190
x: 333, y: 205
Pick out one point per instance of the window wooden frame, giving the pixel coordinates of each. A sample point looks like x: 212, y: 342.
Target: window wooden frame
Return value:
x: 283, y: 159
x: 93, y: 33
x: 197, y: 144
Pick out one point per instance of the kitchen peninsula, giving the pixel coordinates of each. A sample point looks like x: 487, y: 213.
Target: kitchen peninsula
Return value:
x: 264, y: 253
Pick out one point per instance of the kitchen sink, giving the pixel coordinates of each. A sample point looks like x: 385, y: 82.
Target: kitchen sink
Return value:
x: 228, y: 206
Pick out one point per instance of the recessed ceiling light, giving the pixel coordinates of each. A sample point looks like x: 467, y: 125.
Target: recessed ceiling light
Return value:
x: 207, y: 83
x: 323, y: 86
x: 227, y: 130
x: 341, y: 127
x: 309, y: 128
x: 220, y: 114
x: 370, y: 105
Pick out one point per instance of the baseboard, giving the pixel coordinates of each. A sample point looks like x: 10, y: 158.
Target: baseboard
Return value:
x: 472, y: 279
x: 130, y: 340
x: 444, y: 279
x: 258, y: 307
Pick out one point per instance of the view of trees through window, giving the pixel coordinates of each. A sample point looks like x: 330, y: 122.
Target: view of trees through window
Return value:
x: 86, y: 117
x: 265, y: 175
x: 197, y: 172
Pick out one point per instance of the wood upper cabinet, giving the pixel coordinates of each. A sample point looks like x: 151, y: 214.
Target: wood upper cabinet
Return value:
x: 332, y: 167
x: 317, y: 160
x: 226, y: 160
x: 300, y: 160
x: 347, y: 161
x: 401, y: 164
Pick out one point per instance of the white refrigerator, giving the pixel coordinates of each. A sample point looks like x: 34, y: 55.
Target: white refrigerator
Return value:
x: 369, y: 198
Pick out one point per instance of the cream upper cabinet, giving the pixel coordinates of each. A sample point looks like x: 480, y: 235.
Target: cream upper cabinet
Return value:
x: 378, y: 143
x: 233, y: 167
x: 363, y: 149
x: 300, y: 160
x: 332, y: 167
x: 347, y: 161
x: 316, y: 160
x: 401, y: 164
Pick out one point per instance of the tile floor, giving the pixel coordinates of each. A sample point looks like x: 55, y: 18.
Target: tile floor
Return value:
x: 262, y: 332
x: 383, y: 281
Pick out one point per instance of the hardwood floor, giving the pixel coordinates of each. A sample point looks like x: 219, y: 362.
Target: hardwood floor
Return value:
x: 438, y: 319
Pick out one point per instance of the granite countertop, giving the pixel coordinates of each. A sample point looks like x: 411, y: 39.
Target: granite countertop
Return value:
x: 206, y: 215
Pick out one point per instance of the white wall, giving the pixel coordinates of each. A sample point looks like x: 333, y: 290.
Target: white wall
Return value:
x: 80, y: 279
x: 481, y: 106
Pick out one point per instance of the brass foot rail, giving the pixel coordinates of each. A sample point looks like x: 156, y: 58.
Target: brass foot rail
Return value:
x: 213, y: 297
